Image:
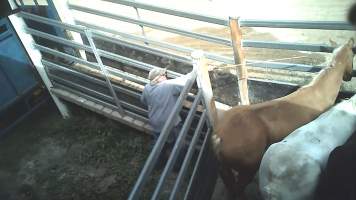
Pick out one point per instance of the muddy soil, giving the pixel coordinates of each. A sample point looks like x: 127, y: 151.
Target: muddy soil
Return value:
x: 87, y: 157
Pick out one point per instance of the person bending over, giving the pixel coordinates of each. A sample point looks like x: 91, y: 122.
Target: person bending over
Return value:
x: 160, y: 95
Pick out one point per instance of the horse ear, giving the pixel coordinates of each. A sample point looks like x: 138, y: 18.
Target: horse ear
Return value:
x: 333, y: 43
x: 351, y: 42
x: 352, y: 15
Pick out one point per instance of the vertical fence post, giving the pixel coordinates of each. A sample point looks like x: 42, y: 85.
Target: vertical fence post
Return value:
x: 21, y: 3
x: 203, y: 80
x: 142, y: 28
x: 89, y: 36
x: 36, y: 57
x: 236, y: 38
x: 36, y: 3
x: 65, y: 15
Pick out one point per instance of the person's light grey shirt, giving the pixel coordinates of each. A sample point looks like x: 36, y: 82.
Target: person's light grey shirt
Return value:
x: 160, y: 99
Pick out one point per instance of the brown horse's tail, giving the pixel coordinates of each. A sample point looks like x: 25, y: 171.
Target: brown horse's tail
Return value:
x: 229, y: 179
x: 215, y: 139
x: 227, y: 175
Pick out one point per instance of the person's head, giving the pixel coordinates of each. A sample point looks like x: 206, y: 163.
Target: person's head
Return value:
x: 157, y: 75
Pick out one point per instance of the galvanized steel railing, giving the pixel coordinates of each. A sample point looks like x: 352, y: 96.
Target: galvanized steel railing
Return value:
x: 329, y: 25
x: 104, y: 98
x: 98, y: 66
x: 81, y: 29
x: 322, y: 25
x: 154, y: 155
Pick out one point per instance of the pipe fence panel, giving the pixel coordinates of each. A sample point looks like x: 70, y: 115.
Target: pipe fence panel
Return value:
x: 290, y: 24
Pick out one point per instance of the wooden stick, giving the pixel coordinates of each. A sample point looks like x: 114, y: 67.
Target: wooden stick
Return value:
x: 236, y: 37
x: 203, y: 79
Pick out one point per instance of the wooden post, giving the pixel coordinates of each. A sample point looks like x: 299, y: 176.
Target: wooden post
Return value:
x: 236, y: 37
x: 203, y: 80
x: 36, y: 58
x: 65, y: 16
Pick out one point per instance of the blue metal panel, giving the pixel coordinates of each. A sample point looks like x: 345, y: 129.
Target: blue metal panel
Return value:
x: 20, y: 89
x: 7, y: 92
x: 14, y: 62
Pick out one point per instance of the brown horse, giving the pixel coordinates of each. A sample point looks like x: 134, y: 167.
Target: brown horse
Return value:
x: 244, y: 132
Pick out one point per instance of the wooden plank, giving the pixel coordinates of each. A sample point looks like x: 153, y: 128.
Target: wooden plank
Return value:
x: 236, y: 39
x: 204, y: 83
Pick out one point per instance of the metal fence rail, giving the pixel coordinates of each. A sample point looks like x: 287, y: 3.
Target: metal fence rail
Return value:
x: 326, y: 25
x: 329, y: 25
x: 99, y: 95
x: 178, y: 13
x: 90, y: 78
x: 188, y: 156
x: 143, y: 48
x: 164, y: 45
x: 51, y: 22
x: 153, y: 157
x: 62, y: 82
x: 112, y: 71
x: 93, y: 91
x: 208, y: 38
x: 94, y: 96
x: 81, y: 29
x: 178, y: 146
x: 288, y: 46
x: 322, y: 25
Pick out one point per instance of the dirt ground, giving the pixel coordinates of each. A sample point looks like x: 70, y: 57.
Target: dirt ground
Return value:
x: 87, y: 157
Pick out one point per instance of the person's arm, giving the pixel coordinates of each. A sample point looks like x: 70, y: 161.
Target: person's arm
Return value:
x: 182, y: 79
x: 179, y: 82
x: 142, y: 98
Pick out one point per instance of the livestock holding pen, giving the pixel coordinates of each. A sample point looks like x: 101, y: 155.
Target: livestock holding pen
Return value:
x: 103, y: 69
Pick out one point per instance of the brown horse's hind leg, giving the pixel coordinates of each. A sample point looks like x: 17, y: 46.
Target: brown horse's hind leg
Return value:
x: 235, y: 183
x: 245, y: 177
x: 229, y: 180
